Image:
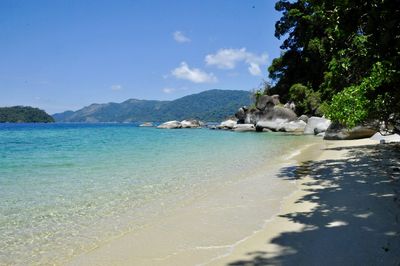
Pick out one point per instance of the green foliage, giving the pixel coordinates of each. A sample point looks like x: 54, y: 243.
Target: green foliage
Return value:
x: 24, y: 114
x: 307, y: 101
x: 347, y: 51
x: 352, y: 106
x: 210, y: 106
x: 349, y: 106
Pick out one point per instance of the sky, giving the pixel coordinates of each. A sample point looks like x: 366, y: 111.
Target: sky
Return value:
x: 66, y: 54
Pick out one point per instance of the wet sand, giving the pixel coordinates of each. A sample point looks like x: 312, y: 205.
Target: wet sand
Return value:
x: 344, y: 210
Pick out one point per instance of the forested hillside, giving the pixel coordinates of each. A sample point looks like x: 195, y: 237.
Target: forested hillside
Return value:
x: 212, y: 105
x: 24, y: 114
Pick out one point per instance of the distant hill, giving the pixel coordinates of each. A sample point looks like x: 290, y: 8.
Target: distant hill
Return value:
x: 24, y: 114
x: 212, y: 105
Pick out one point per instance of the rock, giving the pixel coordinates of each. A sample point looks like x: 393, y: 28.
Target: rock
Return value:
x: 338, y: 132
x: 303, y: 118
x: 251, y: 117
x: 228, y: 124
x: 244, y: 127
x: 283, y: 113
x: 316, y: 125
x: 274, y: 125
x: 276, y: 112
x: 275, y: 99
x: 322, y: 134
x: 386, y: 138
x: 294, y: 126
x: 191, y: 124
x: 241, y: 115
x: 147, y: 124
x: 290, y: 105
x: 170, y: 125
x: 266, y: 102
x: 266, y: 109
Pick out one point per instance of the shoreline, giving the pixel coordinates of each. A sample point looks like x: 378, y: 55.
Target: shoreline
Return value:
x: 267, y: 245
x: 220, y: 210
x: 274, y: 244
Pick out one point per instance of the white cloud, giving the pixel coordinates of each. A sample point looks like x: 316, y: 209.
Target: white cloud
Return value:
x: 180, y: 37
x: 254, y: 69
x: 229, y: 58
x: 116, y: 87
x: 168, y: 90
x: 193, y: 74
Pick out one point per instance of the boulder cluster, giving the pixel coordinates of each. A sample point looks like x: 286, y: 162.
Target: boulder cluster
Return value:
x: 182, y: 124
x: 270, y: 115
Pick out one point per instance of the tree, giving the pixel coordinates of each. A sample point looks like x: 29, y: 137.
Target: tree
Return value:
x: 347, y: 51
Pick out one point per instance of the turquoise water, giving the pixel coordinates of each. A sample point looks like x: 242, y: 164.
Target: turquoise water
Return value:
x: 67, y: 188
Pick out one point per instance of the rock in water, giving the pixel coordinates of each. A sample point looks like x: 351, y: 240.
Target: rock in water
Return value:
x: 170, y: 125
x: 244, y: 127
x: 228, y: 124
x: 191, y: 124
x: 337, y: 131
x: 316, y: 125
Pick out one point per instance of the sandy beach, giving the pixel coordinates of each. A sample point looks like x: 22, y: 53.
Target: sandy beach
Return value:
x: 345, y: 211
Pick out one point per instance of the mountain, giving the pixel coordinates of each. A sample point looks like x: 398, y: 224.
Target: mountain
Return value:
x: 212, y: 105
x: 24, y: 114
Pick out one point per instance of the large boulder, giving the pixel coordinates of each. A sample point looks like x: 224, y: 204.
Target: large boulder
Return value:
x: 275, y: 113
x: 303, y: 118
x: 316, y: 125
x: 170, y: 125
x: 228, y: 124
x: 244, y: 127
x: 267, y: 108
x: 337, y: 131
x: 251, y: 117
x: 275, y: 99
x: 284, y: 113
x: 274, y: 125
x: 266, y: 102
x: 294, y: 126
x: 191, y: 124
x: 241, y: 115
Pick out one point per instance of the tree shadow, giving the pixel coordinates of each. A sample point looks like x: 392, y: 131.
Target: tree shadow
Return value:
x: 356, y: 216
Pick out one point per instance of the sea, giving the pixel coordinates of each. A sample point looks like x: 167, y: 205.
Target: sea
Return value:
x: 66, y: 189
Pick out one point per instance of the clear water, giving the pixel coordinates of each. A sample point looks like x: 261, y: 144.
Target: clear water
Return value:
x: 68, y: 188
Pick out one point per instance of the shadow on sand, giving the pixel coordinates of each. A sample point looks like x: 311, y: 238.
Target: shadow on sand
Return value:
x: 356, y: 219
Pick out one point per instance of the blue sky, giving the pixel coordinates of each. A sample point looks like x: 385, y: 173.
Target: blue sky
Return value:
x: 63, y: 55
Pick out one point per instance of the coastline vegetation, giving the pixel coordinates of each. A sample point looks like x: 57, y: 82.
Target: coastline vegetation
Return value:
x: 24, y: 114
x: 343, y: 56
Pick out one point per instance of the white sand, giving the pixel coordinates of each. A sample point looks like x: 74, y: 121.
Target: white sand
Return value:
x: 345, y: 212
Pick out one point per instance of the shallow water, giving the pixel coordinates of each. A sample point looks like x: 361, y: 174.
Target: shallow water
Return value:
x: 68, y: 188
